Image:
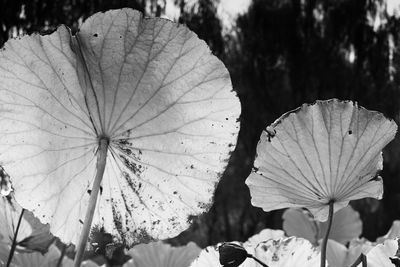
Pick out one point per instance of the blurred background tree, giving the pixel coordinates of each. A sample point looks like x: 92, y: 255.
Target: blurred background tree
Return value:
x: 280, y: 54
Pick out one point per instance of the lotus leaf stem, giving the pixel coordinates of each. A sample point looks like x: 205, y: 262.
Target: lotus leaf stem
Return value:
x: 101, y: 163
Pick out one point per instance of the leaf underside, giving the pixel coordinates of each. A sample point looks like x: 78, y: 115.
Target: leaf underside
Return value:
x: 148, y: 85
x: 329, y: 150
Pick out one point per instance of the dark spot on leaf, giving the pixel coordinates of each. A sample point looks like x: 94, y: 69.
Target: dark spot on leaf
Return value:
x: 124, y: 142
x: 175, y: 192
x: 255, y: 169
x: 205, y: 206
x: 117, y: 218
x: 190, y: 219
x: 89, y: 191
x: 95, y: 35
x: 5, y: 182
x: 191, y: 166
x: 350, y: 132
x: 80, y: 221
x: 140, y: 235
x: 275, y: 257
x: 101, y: 190
x: 132, y: 166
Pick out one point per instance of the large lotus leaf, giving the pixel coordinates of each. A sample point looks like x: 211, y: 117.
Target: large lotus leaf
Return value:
x: 151, y: 88
x: 158, y: 254
x: 31, y: 236
x: 318, y: 153
x: 346, y: 225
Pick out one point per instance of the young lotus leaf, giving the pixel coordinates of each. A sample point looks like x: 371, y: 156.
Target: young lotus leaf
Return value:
x: 158, y: 254
x: 346, y: 225
x: 31, y: 236
x: 150, y: 90
x: 329, y: 151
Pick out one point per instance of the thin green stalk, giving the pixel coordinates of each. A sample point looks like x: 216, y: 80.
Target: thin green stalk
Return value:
x: 101, y: 163
x: 14, y: 243
x: 326, y: 237
x: 257, y: 260
x: 64, y: 248
x: 361, y: 259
